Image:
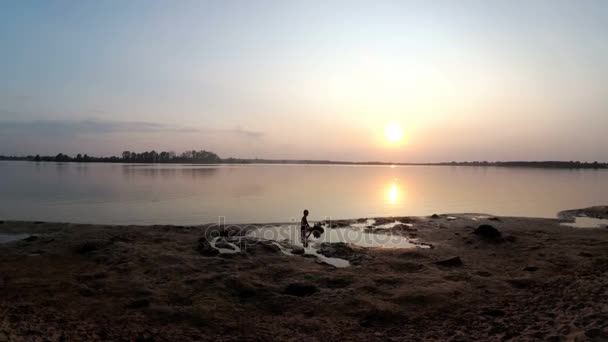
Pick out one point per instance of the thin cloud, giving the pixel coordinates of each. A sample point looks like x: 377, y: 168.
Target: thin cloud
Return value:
x: 247, y: 133
x: 89, y: 126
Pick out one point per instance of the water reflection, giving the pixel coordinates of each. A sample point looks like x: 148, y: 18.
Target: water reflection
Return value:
x: 194, y: 194
x: 393, y: 193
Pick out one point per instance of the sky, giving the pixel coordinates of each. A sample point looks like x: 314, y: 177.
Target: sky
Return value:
x: 463, y: 80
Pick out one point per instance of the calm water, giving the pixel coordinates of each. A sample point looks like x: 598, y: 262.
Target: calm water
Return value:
x: 186, y: 194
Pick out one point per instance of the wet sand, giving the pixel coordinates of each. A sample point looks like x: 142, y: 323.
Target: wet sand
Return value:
x: 538, y: 280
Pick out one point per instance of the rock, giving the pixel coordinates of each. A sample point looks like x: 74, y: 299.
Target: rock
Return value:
x: 297, y: 250
x: 487, y: 231
x: 434, y: 216
x: 1, y: 222
x: 205, y: 248
x: 31, y: 238
x: 494, y: 219
x: 484, y: 274
x: 510, y: 238
x: 38, y: 222
x: 585, y: 254
x: 300, y: 290
x: 139, y: 303
x: 450, y: 262
x: 530, y: 268
x: 3, y: 337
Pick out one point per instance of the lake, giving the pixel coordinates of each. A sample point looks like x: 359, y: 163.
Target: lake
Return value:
x: 196, y: 194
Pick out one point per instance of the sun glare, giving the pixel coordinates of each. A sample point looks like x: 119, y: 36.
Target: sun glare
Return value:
x: 393, y: 132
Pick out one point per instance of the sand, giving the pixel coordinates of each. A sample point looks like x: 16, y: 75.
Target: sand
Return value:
x: 538, y: 280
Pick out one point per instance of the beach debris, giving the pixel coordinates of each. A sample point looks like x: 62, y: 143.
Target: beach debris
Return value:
x: 450, y: 262
x: 205, y: 248
x: 451, y: 218
x: 300, y: 290
x: 487, y: 231
x: 317, y: 230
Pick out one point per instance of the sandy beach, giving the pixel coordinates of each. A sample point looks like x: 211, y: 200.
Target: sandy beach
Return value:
x: 536, y: 279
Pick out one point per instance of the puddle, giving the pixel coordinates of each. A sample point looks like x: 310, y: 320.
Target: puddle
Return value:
x: 233, y: 248
x: 586, y: 222
x: 355, y: 236
x: 480, y: 217
x: 390, y: 225
x: 4, y: 238
x: 366, y: 224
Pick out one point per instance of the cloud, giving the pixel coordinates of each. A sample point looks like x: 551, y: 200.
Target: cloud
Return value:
x: 247, y: 133
x: 88, y: 126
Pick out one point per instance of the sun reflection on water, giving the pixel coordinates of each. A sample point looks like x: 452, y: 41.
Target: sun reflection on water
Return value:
x: 393, y: 193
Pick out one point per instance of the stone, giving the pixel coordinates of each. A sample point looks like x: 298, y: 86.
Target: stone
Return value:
x: 297, y: 250
x: 450, y: 262
x: 487, y: 231
x: 530, y: 268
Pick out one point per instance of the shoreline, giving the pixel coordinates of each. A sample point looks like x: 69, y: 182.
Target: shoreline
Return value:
x: 536, y: 280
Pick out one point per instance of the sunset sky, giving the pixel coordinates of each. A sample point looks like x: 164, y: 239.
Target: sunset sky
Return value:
x: 462, y: 80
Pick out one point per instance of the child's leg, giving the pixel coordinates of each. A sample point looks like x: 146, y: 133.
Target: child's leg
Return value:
x: 303, y: 238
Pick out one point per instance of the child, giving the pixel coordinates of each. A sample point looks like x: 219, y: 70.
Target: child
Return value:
x: 304, y: 227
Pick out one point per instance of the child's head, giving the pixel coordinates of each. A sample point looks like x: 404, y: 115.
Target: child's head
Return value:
x: 305, y: 212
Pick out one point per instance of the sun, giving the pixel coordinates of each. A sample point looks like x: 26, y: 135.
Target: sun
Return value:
x: 393, y: 132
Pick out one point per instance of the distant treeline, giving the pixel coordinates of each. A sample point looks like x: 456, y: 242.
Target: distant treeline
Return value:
x: 206, y: 157
x: 541, y: 164
x: 202, y: 157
